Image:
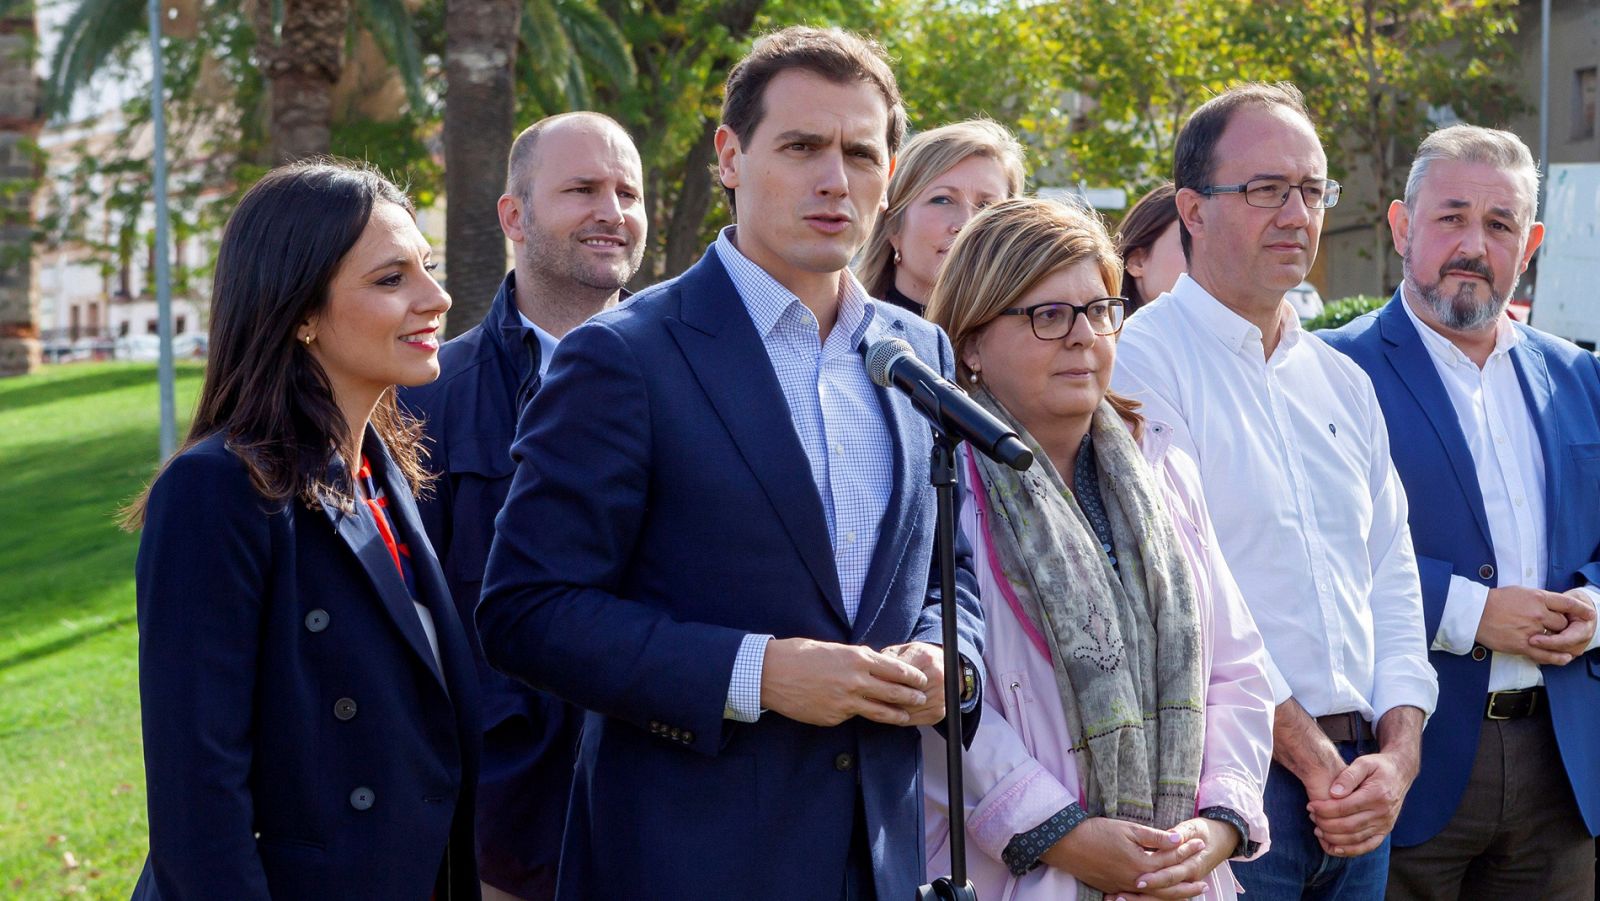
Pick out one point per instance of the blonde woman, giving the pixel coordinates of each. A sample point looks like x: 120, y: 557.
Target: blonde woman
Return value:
x: 941, y: 179
x: 1129, y: 724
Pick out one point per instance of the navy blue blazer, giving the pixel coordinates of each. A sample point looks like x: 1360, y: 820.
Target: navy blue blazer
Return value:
x: 300, y: 740
x: 1450, y: 530
x: 530, y: 738
x: 662, y: 448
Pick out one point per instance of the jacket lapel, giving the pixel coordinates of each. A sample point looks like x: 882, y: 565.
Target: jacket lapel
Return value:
x: 1534, y: 375
x: 913, y: 441
x: 720, y: 343
x: 1414, y: 365
x: 358, y: 531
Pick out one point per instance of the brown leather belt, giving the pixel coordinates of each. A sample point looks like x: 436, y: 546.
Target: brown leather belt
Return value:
x: 1513, y: 705
x: 1350, y: 726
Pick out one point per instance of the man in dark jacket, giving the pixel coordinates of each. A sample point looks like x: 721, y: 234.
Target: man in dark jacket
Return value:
x: 574, y: 212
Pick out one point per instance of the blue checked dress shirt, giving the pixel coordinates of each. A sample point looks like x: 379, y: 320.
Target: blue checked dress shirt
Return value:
x: 840, y: 425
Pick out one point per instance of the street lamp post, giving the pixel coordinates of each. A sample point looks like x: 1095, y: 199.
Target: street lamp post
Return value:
x: 167, y: 375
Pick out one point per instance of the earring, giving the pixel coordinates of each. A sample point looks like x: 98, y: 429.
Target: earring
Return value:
x: 307, y: 339
x: 973, y: 376
x: 897, y: 256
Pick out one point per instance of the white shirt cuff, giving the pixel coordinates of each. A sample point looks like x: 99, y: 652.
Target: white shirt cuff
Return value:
x: 1593, y: 594
x: 1463, y: 611
x: 744, y: 689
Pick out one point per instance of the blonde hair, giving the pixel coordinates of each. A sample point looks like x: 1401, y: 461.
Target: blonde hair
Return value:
x: 1002, y: 254
x: 926, y: 157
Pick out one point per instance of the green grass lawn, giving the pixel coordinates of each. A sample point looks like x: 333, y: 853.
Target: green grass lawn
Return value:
x: 76, y: 442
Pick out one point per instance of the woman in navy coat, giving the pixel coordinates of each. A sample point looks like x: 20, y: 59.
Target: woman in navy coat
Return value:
x: 309, y: 703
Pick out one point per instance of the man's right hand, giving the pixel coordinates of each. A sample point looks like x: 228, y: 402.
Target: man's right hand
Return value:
x: 1514, y: 614
x: 824, y: 684
x: 1113, y: 856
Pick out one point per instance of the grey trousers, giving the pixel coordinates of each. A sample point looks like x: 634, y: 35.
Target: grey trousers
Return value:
x: 1517, y: 832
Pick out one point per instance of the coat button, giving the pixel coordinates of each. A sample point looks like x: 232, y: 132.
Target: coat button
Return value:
x: 1486, y: 571
x: 688, y: 737
x: 1479, y: 652
x: 317, y: 620
x: 844, y: 763
x: 344, y: 709
x: 362, y: 798
x: 676, y: 733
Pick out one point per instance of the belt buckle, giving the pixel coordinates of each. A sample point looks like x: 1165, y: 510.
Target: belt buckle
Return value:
x: 1489, y: 714
x: 1488, y: 710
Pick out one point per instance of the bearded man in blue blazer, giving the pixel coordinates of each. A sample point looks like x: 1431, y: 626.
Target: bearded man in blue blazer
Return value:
x: 719, y: 537
x: 1495, y: 431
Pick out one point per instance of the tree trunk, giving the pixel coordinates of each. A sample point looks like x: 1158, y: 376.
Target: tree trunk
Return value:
x: 20, y: 169
x: 302, y: 58
x: 689, y: 213
x: 479, y: 121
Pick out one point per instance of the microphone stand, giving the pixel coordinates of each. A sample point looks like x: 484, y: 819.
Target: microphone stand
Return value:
x: 942, y: 474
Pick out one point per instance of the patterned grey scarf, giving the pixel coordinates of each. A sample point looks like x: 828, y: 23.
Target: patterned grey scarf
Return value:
x: 1125, y: 647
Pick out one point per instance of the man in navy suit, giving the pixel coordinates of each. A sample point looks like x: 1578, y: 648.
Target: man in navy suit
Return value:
x: 1495, y: 431
x: 574, y: 213
x: 719, y: 538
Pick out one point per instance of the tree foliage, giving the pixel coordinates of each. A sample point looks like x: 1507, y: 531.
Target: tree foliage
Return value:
x: 1097, y: 89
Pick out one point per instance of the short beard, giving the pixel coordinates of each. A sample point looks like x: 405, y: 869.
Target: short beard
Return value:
x: 1464, y: 312
x: 555, y: 259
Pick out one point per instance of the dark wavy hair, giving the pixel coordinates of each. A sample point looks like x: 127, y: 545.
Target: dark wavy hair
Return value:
x: 263, y: 389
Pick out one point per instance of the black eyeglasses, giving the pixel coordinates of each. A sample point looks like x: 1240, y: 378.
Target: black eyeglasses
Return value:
x: 1054, y: 320
x: 1271, y: 193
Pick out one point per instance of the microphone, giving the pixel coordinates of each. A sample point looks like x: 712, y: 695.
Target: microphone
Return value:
x: 891, y: 363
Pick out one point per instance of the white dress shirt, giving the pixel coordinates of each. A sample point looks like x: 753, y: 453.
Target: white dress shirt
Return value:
x: 840, y: 425
x: 1308, y: 509
x: 1500, y: 432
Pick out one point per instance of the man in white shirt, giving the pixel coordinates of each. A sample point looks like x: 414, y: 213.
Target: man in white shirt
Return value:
x: 1310, y: 515
x: 1496, y: 430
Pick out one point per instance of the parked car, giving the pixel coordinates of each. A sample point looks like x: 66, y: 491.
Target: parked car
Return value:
x: 141, y: 348
x: 1306, y: 301
x: 191, y: 346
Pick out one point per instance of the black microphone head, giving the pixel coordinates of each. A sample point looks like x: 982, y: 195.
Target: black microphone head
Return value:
x: 882, y: 355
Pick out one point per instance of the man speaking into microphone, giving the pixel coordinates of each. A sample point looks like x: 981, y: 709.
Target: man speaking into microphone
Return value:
x: 720, y: 536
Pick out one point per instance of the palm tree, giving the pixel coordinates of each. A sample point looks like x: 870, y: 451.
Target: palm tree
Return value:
x: 19, y: 171
x: 300, y: 49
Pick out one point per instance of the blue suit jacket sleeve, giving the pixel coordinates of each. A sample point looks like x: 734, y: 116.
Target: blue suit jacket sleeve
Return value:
x: 554, y: 610
x: 203, y: 559
x: 1591, y: 571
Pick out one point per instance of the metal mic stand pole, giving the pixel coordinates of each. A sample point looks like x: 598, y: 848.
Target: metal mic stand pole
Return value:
x: 942, y: 473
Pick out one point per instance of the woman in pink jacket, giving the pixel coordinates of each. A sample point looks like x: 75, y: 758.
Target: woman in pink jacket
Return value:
x: 1129, y: 722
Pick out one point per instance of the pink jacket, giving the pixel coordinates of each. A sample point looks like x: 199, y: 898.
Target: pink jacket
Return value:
x: 1018, y: 772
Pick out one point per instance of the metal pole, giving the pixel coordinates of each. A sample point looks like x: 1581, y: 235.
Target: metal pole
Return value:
x: 167, y: 376
x: 1544, y: 101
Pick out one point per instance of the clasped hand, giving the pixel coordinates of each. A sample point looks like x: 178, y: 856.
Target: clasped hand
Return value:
x: 1357, y: 806
x: 1136, y: 863
x: 824, y: 683
x: 1547, y: 627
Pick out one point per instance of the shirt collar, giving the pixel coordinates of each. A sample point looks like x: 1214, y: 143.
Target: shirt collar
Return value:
x: 1233, y: 330
x: 768, y: 301
x: 1444, y: 351
x: 547, y: 341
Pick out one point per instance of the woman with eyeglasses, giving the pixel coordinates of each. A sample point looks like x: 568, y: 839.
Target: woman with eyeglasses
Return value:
x: 1129, y: 723
x: 309, y: 699
x: 941, y: 179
